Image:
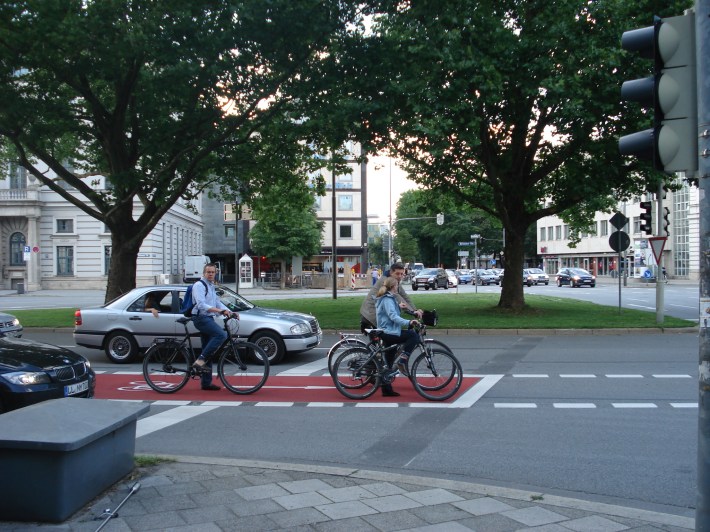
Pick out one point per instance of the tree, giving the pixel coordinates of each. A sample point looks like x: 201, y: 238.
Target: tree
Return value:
x: 161, y: 98
x: 509, y: 106
x: 291, y: 229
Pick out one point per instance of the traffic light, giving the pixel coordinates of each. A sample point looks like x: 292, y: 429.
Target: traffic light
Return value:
x: 672, y: 143
x: 666, y: 221
x: 646, y: 218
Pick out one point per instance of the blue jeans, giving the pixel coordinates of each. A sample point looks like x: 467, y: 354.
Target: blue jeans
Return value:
x: 212, y: 336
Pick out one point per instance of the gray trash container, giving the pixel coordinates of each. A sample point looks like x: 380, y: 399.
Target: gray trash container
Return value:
x: 20, y: 288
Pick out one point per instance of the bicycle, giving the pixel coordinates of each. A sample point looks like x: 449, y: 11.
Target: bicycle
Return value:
x: 435, y: 373
x: 350, y: 340
x: 242, y: 366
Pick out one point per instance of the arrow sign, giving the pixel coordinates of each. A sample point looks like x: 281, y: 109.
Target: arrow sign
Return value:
x: 657, y: 244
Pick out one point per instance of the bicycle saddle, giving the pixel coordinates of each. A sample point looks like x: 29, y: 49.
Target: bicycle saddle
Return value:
x: 183, y: 321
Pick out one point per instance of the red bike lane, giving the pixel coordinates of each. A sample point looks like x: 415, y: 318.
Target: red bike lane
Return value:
x: 278, y: 389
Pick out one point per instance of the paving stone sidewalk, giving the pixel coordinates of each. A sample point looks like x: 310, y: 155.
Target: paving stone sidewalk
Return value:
x: 195, y: 494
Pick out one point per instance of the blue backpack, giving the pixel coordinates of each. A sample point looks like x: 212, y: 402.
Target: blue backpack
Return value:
x: 188, y: 304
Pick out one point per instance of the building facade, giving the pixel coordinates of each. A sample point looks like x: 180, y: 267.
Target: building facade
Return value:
x: 594, y: 252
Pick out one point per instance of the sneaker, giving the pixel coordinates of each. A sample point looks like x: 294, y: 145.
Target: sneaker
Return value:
x: 211, y: 388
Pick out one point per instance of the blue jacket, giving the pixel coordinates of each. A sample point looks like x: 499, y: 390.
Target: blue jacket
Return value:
x: 388, y: 318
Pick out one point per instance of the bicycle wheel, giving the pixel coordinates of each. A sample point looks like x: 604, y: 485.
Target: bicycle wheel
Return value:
x: 340, y: 347
x: 166, y: 367
x: 436, y: 375
x: 356, y: 373
x: 243, y: 367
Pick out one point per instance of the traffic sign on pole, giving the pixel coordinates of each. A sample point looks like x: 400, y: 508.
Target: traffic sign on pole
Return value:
x: 657, y: 244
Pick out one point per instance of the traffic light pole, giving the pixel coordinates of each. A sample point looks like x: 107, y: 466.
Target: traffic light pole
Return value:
x: 660, y: 295
x: 702, y: 31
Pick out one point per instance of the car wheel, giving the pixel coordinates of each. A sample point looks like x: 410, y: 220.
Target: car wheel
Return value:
x: 593, y: 285
x: 121, y: 347
x: 426, y: 287
x: 559, y: 283
x: 547, y: 283
x: 271, y: 343
x: 414, y: 287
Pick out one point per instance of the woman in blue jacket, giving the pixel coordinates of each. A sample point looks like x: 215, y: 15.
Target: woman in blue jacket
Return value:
x: 389, y: 320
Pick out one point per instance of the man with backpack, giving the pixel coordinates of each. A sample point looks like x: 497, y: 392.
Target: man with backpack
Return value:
x: 207, y: 307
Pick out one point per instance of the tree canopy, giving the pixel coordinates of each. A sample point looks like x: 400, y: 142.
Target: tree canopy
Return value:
x: 508, y: 106
x: 161, y: 98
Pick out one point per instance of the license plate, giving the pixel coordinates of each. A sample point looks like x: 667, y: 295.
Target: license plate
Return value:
x: 73, y: 389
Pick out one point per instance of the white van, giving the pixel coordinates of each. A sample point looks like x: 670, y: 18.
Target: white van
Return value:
x: 194, y: 264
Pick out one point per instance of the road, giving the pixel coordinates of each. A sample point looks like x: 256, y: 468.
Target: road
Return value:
x: 606, y: 418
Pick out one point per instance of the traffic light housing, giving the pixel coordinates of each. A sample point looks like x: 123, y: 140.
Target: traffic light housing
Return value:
x: 646, y: 217
x: 666, y: 221
x: 672, y: 143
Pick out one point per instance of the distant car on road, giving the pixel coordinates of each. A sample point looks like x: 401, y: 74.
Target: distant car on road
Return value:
x: 538, y: 276
x: 10, y: 325
x: 123, y: 328
x: 453, y: 278
x: 575, y: 277
x: 495, y: 275
x: 465, y: 276
x: 430, y: 278
x: 483, y: 277
x: 32, y: 372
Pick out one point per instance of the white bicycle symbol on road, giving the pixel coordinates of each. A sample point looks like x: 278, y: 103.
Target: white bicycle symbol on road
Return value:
x: 141, y: 386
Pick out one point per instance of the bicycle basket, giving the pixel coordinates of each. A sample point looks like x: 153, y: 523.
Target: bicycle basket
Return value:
x: 430, y: 318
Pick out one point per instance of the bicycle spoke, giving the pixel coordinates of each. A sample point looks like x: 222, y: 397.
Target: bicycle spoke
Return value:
x: 436, y: 375
x: 243, y: 367
x: 166, y: 367
x: 356, y: 373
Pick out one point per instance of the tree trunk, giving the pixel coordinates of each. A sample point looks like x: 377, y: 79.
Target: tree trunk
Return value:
x: 512, y: 295
x: 124, y: 261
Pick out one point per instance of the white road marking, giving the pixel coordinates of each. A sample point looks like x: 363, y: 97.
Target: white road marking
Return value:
x: 530, y: 376
x: 574, y: 405
x: 306, y: 369
x: 515, y: 405
x: 478, y: 390
x: 634, y: 405
x: 684, y: 405
x: 165, y: 419
x: 624, y: 376
x: 578, y: 376
x: 671, y: 376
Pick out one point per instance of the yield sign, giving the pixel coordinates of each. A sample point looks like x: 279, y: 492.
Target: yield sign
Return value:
x: 657, y: 244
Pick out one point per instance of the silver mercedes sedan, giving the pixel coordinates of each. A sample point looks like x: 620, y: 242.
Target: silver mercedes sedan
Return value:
x: 124, y: 327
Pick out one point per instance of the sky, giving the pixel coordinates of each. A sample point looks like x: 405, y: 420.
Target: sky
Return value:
x: 378, y: 187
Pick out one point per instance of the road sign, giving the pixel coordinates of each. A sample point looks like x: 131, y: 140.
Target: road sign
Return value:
x: 461, y: 244
x: 657, y: 244
x: 463, y: 253
x: 618, y: 221
x: 619, y: 241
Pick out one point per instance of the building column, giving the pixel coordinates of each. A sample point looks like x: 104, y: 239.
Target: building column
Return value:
x: 33, y: 266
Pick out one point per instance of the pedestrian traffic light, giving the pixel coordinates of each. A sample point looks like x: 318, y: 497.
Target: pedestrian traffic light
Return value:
x: 672, y: 143
x: 646, y: 218
x: 666, y: 221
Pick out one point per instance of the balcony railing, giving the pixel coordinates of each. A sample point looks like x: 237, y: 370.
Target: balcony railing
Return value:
x: 14, y: 194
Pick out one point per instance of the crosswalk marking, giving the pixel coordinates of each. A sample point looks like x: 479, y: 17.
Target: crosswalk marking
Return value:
x: 159, y: 421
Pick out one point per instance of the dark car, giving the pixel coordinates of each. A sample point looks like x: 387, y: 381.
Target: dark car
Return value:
x: 10, y: 325
x: 431, y: 278
x: 32, y: 372
x: 575, y: 277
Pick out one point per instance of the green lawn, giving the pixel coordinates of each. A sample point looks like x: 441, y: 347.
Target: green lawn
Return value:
x: 474, y: 311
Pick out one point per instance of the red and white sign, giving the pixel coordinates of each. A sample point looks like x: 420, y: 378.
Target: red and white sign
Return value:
x: 657, y: 244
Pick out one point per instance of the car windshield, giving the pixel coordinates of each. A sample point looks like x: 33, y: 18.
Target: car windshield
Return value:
x: 428, y: 271
x: 579, y: 271
x: 232, y: 300
x: 535, y: 270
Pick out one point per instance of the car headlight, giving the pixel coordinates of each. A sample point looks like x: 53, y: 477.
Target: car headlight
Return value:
x: 26, y: 378
x: 16, y: 322
x: 576, y: 277
x: 301, y: 328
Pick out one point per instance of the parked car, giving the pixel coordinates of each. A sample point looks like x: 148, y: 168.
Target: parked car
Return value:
x: 539, y: 276
x: 32, y: 372
x: 575, y: 277
x: 122, y: 328
x: 495, y: 275
x: 465, y: 276
x: 528, y: 279
x: 430, y: 278
x: 452, y: 278
x: 10, y: 325
x: 483, y: 277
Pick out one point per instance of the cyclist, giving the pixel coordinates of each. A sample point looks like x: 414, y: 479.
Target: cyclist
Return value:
x: 391, y: 323
x: 368, y: 315
x: 207, y: 308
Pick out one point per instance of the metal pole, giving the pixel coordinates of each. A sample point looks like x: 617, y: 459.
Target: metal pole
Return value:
x: 334, y: 235
x: 660, y: 300
x: 702, y: 55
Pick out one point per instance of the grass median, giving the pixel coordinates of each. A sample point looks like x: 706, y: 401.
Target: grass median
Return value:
x: 474, y: 311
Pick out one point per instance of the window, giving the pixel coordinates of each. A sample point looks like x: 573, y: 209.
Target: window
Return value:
x: 346, y: 231
x: 65, y: 260
x: 229, y: 231
x: 550, y: 233
x: 636, y: 222
x: 18, y: 176
x: 65, y: 225
x: 107, y: 259
x: 17, y: 249
x: 604, y: 227
x: 566, y: 232
x: 345, y: 202
x: 542, y: 233
x: 558, y: 232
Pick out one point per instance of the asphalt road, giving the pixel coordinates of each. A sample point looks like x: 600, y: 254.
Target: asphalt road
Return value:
x: 607, y: 418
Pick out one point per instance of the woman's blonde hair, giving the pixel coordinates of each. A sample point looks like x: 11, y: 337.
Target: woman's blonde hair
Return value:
x: 389, y: 284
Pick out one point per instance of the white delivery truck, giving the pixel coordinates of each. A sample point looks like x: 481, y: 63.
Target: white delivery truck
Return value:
x: 194, y: 264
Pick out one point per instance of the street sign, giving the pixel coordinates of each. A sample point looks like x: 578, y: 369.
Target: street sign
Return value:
x: 463, y: 253
x: 657, y: 244
x: 461, y: 244
x: 618, y: 221
x: 619, y: 241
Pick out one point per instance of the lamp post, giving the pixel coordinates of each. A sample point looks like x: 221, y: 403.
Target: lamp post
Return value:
x: 475, y: 258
